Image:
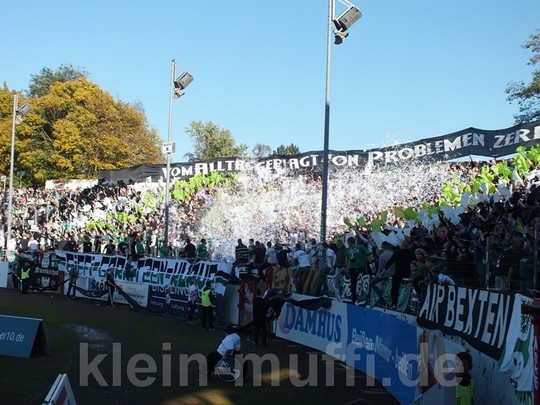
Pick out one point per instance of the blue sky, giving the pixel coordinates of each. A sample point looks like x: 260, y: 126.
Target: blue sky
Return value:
x: 408, y: 70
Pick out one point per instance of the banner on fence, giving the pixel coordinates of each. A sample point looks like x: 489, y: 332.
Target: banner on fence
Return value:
x: 159, y: 284
x: 517, y: 359
x: 158, y: 271
x: 481, y: 317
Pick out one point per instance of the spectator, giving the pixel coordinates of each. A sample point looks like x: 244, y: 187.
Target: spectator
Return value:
x: 110, y: 248
x: 241, y: 254
x: 123, y: 246
x: 340, y: 267
x: 301, y: 260
x: 202, y: 252
x: 420, y: 276
x: 260, y: 329
x: 190, y: 251
x: 71, y: 244
x: 384, y: 272
x: 401, y: 259
x: 193, y: 299
x: 313, y: 252
x: 87, y: 245
x: 327, y: 265
x: 283, y: 276
x: 270, y: 263
x: 356, y: 264
x: 259, y: 253
x: 434, y: 265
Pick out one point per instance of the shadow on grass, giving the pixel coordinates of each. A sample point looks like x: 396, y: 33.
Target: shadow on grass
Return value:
x: 129, y: 357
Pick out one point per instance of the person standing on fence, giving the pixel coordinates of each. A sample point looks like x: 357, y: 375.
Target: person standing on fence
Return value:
x: 301, y: 260
x: 326, y: 267
x: 258, y: 262
x: 283, y: 276
x: 420, y: 276
x: 193, y: 298
x: 270, y: 263
x: 402, y: 259
x: 207, y: 304
x: 384, y: 272
x: 356, y: 264
x: 340, y: 267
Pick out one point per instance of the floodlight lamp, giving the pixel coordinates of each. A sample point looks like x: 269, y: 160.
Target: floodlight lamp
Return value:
x: 21, y: 112
x: 24, y: 109
x: 339, y: 37
x: 347, y: 18
x: 183, y: 81
x: 177, y: 94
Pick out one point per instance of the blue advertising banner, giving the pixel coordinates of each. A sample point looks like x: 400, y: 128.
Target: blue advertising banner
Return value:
x: 169, y: 300
x: 22, y: 337
x: 324, y: 329
x: 385, y: 348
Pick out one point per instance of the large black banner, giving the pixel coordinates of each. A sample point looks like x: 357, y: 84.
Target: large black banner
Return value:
x: 467, y: 142
x: 481, y: 317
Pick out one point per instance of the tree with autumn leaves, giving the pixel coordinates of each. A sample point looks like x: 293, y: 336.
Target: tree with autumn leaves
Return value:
x: 75, y: 130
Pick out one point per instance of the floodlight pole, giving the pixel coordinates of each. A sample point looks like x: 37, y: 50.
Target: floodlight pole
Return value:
x: 11, y: 164
x: 324, y: 202
x: 168, y: 171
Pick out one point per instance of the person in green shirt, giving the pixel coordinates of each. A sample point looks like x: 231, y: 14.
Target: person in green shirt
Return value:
x: 465, y: 384
x: 356, y: 264
x: 202, y: 252
x: 139, y: 247
x: 123, y: 246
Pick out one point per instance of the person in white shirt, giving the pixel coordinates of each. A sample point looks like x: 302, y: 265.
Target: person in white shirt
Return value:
x: 328, y: 261
x: 300, y: 259
x: 193, y: 298
x: 432, y: 264
x: 313, y: 250
x: 271, y: 254
x: 33, y: 244
x: 270, y: 263
x: 229, y: 346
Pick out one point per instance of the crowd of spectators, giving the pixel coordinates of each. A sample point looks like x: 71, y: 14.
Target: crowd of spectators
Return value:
x: 494, y: 241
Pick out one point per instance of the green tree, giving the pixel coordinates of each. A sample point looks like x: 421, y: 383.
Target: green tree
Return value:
x: 211, y: 142
x: 527, y: 96
x: 260, y: 150
x: 6, y: 121
x: 283, y: 150
x: 42, y: 82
